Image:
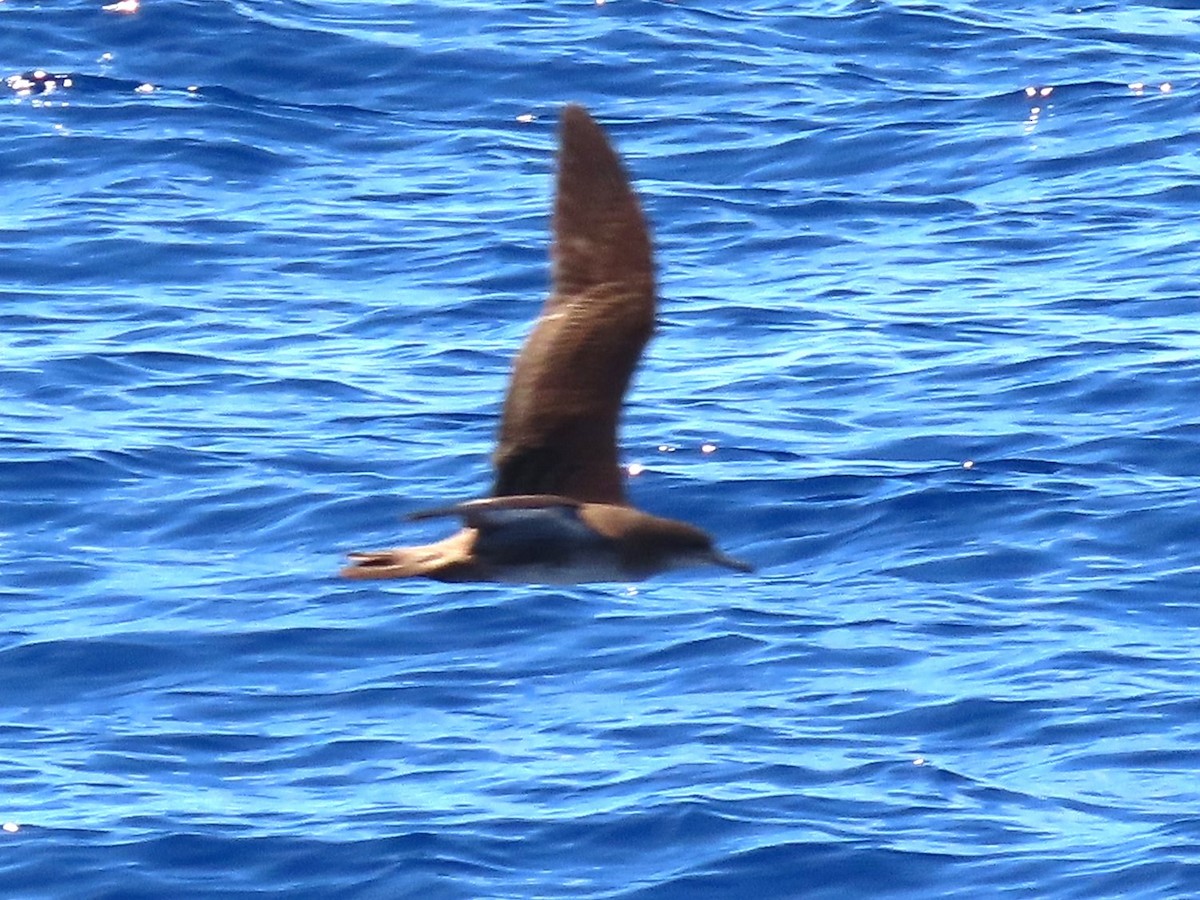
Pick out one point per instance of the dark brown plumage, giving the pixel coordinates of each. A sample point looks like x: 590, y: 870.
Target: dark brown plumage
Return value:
x: 558, y: 511
x: 558, y: 434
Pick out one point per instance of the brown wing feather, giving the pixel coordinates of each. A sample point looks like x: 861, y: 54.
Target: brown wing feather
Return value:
x: 558, y: 434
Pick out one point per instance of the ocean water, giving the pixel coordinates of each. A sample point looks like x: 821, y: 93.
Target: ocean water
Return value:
x: 929, y: 356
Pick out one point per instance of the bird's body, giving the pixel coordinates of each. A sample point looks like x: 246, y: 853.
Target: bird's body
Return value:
x: 558, y: 512
x: 546, y: 540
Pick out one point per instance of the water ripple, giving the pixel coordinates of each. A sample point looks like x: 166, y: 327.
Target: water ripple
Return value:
x: 925, y: 354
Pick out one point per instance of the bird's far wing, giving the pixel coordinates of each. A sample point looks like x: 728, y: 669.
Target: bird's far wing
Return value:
x: 494, y: 510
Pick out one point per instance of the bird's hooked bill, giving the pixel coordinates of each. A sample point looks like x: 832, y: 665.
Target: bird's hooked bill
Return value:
x: 730, y: 562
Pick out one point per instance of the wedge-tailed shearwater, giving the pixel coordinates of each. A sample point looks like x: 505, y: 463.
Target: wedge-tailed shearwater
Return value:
x: 558, y: 511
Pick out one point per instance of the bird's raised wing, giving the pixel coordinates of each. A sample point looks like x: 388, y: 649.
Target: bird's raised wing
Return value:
x: 558, y: 433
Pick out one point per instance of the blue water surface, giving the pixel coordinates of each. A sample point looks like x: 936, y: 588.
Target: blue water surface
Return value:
x: 929, y: 356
